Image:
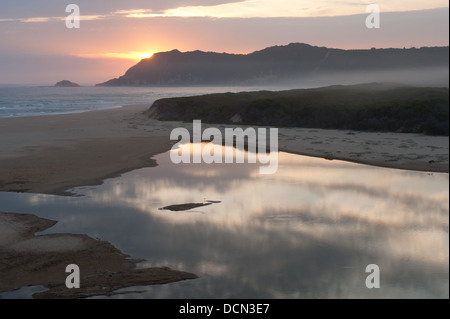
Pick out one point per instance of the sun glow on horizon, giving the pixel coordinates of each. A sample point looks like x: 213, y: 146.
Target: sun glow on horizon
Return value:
x: 146, y: 55
x: 136, y: 56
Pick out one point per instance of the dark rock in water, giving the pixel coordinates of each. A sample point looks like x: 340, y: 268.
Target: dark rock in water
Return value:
x: 189, y: 206
x: 66, y: 84
x: 214, y: 201
x: 183, y: 207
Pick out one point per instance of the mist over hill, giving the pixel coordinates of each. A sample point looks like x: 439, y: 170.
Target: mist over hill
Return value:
x: 296, y: 63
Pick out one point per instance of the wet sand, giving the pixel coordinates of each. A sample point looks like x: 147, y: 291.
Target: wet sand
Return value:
x: 52, y: 154
x: 29, y: 260
x: 392, y: 150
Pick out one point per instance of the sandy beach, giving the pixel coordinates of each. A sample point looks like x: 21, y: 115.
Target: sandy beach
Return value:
x: 51, y: 154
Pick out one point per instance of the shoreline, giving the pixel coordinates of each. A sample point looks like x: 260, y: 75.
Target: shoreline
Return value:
x: 441, y: 168
x: 41, y: 260
x: 51, y: 154
x: 404, y: 151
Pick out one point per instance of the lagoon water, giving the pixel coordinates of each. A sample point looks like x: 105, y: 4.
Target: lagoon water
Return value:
x: 308, y: 231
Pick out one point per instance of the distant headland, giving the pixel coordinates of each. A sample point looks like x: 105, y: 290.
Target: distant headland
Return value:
x: 294, y: 63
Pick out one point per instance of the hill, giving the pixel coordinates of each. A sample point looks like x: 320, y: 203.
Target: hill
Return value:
x: 275, y: 65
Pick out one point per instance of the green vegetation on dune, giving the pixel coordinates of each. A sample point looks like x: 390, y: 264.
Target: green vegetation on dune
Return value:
x: 366, y: 107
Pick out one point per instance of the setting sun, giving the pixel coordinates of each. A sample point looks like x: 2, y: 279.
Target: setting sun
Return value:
x: 147, y: 55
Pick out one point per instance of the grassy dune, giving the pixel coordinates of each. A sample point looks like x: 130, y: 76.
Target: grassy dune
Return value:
x: 366, y: 107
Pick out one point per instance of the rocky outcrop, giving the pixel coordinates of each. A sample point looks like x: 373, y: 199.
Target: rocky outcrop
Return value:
x: 66, y: 84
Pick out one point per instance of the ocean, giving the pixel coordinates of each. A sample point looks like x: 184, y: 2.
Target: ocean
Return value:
x: 37, y: 101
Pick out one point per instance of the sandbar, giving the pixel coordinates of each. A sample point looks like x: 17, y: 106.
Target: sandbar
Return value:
x: 51, y: 154
x: 30, y: 260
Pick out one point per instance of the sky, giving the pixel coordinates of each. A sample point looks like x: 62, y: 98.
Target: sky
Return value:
x: 36, y: 47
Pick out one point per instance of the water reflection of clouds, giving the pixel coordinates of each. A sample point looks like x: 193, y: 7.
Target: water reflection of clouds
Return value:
x: 366, y: 209
x: 308, y: 231
x: 375, y: 194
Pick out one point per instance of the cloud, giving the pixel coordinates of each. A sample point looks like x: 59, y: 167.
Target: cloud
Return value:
x: 264, y: 9
x: 22, y: 9
x: 293, y: 8
x: 214, y: 9
x: 52, y: 19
